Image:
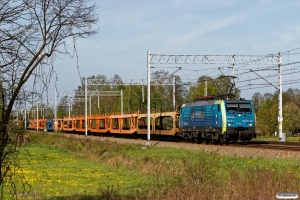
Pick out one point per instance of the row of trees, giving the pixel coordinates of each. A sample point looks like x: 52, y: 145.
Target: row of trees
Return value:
x: 266, y: 108
x: 134, y: 99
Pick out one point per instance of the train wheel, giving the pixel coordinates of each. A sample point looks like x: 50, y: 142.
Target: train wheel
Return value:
x: 215, y: 142
x: 199, y: 141
x: 221, y: 141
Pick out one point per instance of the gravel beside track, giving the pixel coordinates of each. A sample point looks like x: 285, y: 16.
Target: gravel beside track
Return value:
x: 227, y: 150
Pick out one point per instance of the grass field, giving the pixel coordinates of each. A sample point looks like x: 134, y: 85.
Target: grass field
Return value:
x: 53, y: 172
x: 59, y: 168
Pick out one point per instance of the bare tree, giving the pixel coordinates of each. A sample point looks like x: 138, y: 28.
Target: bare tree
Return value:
x: 33, y: 33
x: 257, y: 100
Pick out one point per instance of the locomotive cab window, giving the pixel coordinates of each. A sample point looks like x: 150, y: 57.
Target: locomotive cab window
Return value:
x: 235, y: 107
x: 232, y: 107
x: 245, y: 107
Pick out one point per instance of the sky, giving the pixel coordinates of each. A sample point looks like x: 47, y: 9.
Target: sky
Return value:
x: 128, y: 29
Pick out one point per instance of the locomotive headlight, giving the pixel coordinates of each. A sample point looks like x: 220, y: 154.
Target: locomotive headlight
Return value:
x: 229, y: 124
x: 250, y: 124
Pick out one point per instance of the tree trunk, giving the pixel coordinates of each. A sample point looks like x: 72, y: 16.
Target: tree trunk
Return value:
x: 3, y: 143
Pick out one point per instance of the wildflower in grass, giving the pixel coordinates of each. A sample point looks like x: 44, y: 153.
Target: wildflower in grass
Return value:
x: 267, y: 168
x: 273, y: 170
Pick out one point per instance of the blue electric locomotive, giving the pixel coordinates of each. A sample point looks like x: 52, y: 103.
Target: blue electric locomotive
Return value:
x: 217, y: 121
x: 49, y: 125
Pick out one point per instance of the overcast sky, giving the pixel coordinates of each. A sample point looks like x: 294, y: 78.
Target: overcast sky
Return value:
x: 128, y: 29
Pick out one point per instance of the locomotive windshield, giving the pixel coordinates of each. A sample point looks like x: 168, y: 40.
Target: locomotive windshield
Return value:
x: 238, y: 107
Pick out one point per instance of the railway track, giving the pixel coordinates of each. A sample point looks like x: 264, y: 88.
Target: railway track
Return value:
x: 276, y: 145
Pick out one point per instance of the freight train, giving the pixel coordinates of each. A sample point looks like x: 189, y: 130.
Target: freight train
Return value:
x: 210, y: 121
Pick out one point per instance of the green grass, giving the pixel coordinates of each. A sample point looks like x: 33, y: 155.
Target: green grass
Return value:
x: 66, y: 168
x: 53, y: 172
